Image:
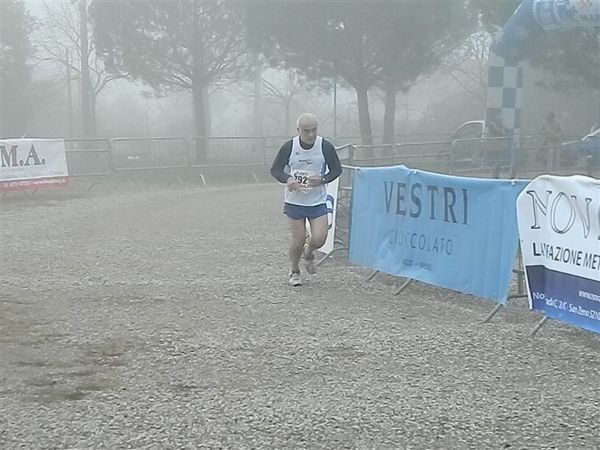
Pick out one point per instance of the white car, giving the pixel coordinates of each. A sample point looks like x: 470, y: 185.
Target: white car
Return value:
x: 473, y: 129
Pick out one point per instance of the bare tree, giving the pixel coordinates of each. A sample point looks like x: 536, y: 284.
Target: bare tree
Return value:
x: 71, y: 47
x: 468, y: 64
x: 284, y: 93
x: 15, y: 68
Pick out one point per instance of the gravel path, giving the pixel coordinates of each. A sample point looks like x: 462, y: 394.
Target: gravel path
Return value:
x: 162, y: 319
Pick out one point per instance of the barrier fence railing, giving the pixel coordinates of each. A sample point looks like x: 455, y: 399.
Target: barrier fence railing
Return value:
x: 149, y: 153
x: 88, y: 157
x: 177, y: 156
x: 222, y: 159
x: 482, y: 157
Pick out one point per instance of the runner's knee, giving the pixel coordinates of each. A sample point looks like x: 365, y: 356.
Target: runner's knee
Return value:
x: 318, y: 239
x: 298, y: 241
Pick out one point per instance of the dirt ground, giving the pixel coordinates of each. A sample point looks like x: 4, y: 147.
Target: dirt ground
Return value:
x: 162, y: 318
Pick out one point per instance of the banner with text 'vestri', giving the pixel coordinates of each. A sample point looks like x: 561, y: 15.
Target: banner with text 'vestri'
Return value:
x: 453, y: 232
x: 32, y: 164
x: 559, y: 228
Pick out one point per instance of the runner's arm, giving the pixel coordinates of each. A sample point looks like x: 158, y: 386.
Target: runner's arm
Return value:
x: 281, y: 161
x: 332, y: 161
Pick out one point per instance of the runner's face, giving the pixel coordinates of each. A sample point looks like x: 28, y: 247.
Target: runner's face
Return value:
x: 308, y: 132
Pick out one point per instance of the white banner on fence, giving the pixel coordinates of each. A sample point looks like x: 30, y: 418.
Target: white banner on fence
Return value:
x: 559, y: 228
x: 331, y: 202
x: 32, y: 164
x: 332, y: 189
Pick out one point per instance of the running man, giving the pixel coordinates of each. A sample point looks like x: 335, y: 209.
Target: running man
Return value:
x: 306, y: 164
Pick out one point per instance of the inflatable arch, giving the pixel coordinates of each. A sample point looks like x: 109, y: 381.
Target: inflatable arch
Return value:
x: 529, y: 23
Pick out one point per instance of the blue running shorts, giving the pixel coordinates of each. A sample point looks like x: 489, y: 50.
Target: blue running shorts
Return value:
x: 298, y: 212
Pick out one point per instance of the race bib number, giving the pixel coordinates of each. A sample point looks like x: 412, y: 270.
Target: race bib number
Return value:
x: 302, y: 177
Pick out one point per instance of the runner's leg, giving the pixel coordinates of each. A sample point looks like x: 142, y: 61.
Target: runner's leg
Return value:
x: 298, y: 236
x: 318, y: 231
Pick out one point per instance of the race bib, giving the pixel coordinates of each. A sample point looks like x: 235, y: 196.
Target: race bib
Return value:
x: 302, y: 177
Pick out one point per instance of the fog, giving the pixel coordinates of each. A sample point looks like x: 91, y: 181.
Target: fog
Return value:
x: 262, y: 94
x: 153, y: 294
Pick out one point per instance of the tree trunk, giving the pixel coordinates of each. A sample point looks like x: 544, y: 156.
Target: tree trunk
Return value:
x: 257, y: 119
x: 85, y: 69
x: 288, y: 117
x: 93, y: 123
x: 199, y: 90
x: 364, y: 117
x: 207, y: 116
x: 69, y: 94
x: 200, y: 98
x: 389, y: 116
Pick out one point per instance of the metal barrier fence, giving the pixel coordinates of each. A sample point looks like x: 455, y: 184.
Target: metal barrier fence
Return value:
x: 485, y: 157
x: 397, y: 138
x: 223, y: 157
x: 178, y: 156
x: 149, y: 153
x: 534, y: 155
x: 217, y: 154
x: 88, y: 157
x: 228, y: 151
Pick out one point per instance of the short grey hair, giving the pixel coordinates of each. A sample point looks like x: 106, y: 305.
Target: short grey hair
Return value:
x: 306, y: 117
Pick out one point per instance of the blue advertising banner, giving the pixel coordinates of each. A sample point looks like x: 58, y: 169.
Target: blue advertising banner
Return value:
x: 559, y: 228
x: 453, y: 232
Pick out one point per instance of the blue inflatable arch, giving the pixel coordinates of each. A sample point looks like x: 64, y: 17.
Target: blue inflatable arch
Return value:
x: 529, y: 23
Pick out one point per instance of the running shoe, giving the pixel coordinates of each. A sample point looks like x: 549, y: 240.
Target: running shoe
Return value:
x: 295, y: 279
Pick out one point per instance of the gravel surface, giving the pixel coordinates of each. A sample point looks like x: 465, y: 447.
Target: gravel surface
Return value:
x: 162, y: 318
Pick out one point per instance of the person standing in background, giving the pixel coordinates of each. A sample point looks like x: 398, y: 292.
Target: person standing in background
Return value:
x: 496, y: 151
x: 551, y: 130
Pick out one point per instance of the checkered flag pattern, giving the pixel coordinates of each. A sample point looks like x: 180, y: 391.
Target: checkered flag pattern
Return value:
x: 504, y: 92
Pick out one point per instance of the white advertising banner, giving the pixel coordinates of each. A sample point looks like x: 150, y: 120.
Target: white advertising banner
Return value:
x: 331, y: 204
x: 332, y: 189
x: 32, y: 164
x: 559, y: 229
